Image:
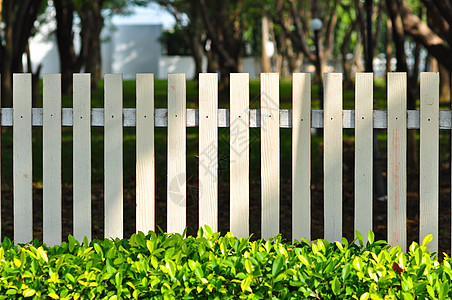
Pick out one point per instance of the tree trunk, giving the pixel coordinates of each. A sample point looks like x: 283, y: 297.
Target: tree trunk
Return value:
x: 198, y: 52
x: 65, y: 42
x: 7, y: 54
x: 345, y: 48
x: 278, y: 57
x: 444, y: 75
x: 92, y: 23
x: 212, y: 62
x: 224, y: 26
x: 389, y: 52
x: 265, y: 59
x: 398, y: 33
x: 424, y: 35
x: 18, y: 19
x: 444, y: 88
x: 197, y: 37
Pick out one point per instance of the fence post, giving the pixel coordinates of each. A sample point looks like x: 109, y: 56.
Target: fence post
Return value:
x: 145, y: 165
x: 429, y: 159
x: 301, y: 156
x: 177, y: 175
x: 208, y: 150
x: 397, y: 134
x: 363, y: 152
x: 51, y: 143
x: 239, y: 155
x: 270, y: 154
x: 332, y: 156
x: 113, y: 162
x: 22, y: 159
x: 82, y: 156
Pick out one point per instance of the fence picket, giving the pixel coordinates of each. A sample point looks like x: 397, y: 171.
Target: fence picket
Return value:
x: 208, y: 150
x: 239, y: 155
x: 397, y: 134
x: 301, y: 160
x: 270, y: 154
x: 429, y: 159
x: 145, y: 165
x: 51, y: 144
x: 82, y: 156
x: 240, y: 119
x: 363, y: 152
x: 332, y: 156
x: 22, y: 159
x: 113, y: 162
x: 177, y: 176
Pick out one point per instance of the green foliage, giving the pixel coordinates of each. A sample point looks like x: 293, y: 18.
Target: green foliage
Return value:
x: 211, y: 266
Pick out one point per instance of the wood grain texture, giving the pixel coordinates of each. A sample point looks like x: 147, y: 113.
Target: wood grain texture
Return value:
x: 82, y: 156
x: 22, y: 159
x: 145, y: 165
x: 239, y: 155
x: 301, y: 156
x: 51, y: 143
x: 208, y: 150
x: 270, y: 166
x: 113, y: 157
x: 363, y: 152
x: 177, y: 174
x: 429, y: 159
x: 397, y: 135
x: 332, y: 156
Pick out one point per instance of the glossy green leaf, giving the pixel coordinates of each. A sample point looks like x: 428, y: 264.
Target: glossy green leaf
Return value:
x: 427, y: 239
x: 277, y: 265
x: 335, y: 285
x: 345, y: 271
x: 29, y: 293
x: 359, y: 237
x: 370, y: 237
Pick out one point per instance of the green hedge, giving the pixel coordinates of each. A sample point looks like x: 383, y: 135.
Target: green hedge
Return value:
x: 211, y: 266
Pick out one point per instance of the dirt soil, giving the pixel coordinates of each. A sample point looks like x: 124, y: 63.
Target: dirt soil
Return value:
x: 379, y: 207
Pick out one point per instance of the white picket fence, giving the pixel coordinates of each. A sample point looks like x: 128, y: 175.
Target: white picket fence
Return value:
x: 270, y: 118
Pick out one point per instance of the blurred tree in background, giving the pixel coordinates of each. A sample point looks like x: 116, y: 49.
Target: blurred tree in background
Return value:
x: 91, y: 16
x: 18, y: 19
x: 414, y: 32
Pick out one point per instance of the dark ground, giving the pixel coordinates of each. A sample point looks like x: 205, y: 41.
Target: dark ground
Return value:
x: 379, y: 207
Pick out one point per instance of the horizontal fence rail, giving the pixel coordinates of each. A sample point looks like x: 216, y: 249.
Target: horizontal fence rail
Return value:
x: 239, y: 118
x: 380, y: 118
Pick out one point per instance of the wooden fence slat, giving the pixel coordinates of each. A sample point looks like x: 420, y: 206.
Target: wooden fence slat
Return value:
x: 429, y: 159
x: 22, y: 159
x: 301, y: 156
x: 208, y: 150
x: 363, y: 152
x: 270, y: 184
x: 332, y: 156
x: 145, y: 165
x: 397, y: 134
x: 82, y: 156
x: 51, y: 143
x: 1, y: 117
x: 113, y: 161
x: 239, y: 149
x: 177, y: 175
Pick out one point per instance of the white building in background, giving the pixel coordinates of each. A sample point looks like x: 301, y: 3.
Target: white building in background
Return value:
x: 127, y: 49
x: 132, y: 49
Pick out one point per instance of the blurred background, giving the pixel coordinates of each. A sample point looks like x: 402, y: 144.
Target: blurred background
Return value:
x: 193, y: 36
